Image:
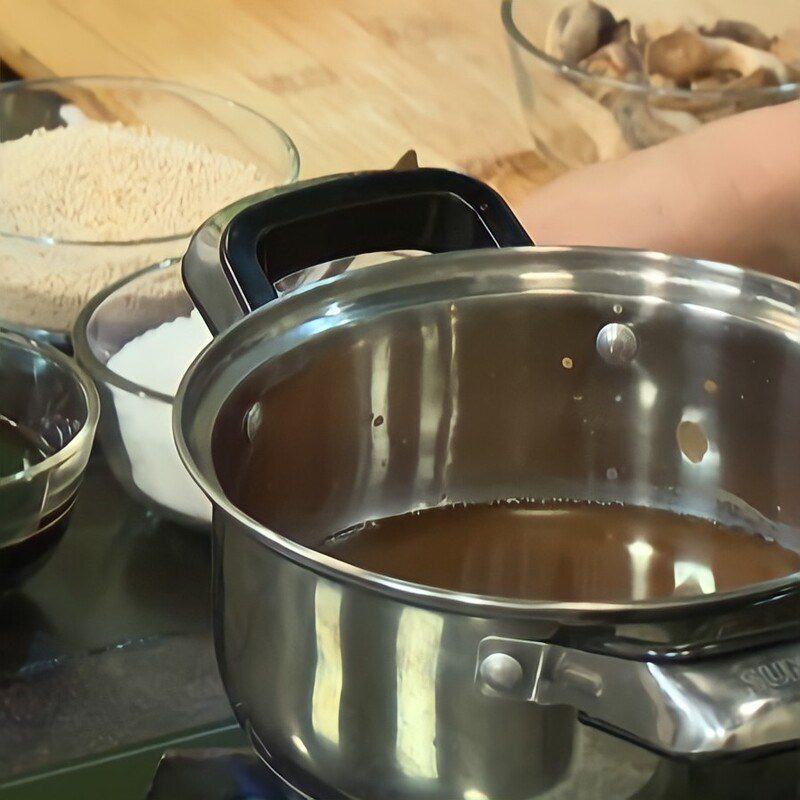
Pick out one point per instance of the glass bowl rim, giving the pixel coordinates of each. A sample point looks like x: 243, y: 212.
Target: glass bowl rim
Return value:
x: 153, y: 85
x: 84, y: 352
x: 85, y: 436
x: 762, y: 93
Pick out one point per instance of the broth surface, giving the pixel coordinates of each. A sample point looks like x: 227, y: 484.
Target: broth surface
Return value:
x: 563, y: 551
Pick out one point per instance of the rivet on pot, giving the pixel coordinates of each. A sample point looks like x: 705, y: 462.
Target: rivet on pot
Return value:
x: 692, y: 440
x: 616, y: 343
x: 500, y: 671
x: 252, y: 421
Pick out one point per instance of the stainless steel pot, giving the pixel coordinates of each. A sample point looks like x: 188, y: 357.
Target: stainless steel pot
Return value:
x: 474, y: 376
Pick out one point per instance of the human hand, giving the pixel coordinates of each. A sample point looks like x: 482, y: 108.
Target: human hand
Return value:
x: 729, y: 192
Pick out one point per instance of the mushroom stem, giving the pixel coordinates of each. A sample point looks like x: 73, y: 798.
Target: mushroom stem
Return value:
x: 737, y: 31
x: 726, y: 54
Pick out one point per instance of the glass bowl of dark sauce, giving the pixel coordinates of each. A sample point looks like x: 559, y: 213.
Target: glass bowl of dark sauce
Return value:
x: 48, y: 416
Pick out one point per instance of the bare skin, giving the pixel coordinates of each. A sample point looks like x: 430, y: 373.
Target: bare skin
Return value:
x: 730, y: 192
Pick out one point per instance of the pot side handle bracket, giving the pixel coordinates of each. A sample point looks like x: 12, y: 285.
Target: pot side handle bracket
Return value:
x: 236, y: 257
x: 710, y: 707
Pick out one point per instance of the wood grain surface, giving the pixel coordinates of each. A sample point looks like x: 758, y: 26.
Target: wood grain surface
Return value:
x: 354, y: 82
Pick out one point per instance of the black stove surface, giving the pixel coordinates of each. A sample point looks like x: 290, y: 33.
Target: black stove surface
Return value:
x: 238, y: 774
x: 216, y: 774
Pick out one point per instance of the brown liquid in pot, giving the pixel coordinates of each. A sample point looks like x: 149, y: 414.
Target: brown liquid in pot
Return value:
x: 567, y: 551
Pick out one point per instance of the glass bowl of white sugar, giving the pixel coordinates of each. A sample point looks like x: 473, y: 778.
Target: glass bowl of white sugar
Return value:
x: 136, y: 339
x: 103, y: 176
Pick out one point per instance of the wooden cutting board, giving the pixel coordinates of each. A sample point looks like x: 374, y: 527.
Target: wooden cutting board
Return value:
x: 354, y: 82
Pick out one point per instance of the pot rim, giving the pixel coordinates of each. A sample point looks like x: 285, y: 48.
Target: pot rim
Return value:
x: 715, y: 277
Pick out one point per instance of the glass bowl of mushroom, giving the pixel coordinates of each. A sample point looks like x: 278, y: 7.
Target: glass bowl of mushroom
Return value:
x: 598, y: 81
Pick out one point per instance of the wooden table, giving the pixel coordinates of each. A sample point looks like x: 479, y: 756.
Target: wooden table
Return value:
x: 354, y: 82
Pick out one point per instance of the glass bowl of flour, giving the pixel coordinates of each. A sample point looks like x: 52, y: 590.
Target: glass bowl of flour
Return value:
x: 137, y: 338
x: 102, y: 176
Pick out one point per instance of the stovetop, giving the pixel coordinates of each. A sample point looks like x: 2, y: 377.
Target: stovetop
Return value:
x: 237, y: 774
x: 216, y: 774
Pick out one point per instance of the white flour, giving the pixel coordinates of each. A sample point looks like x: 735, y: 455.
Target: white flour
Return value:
x: 158, y: 360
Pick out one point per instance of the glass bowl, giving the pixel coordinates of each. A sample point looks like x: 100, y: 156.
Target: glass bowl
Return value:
x: 577, y: 118
x: 51, y: 403
x: 136, y: 423
x: 46, y: 280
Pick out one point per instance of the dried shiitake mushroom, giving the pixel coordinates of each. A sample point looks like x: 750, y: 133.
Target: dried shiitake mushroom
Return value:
x: 715, y: 80
x: 730, y: 53
x: 622, y: 31
x: 686, y: 57
x: 725, y: 54
x: 621, y: 60
x: 708, y: 61
x: 737, y: 31
x: 643, y: 126
x: 578, y: 30
x: 680, y: 56
x: 648, y: 31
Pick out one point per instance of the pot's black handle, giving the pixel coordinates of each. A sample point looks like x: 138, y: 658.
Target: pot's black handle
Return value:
x: 433, y: 210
